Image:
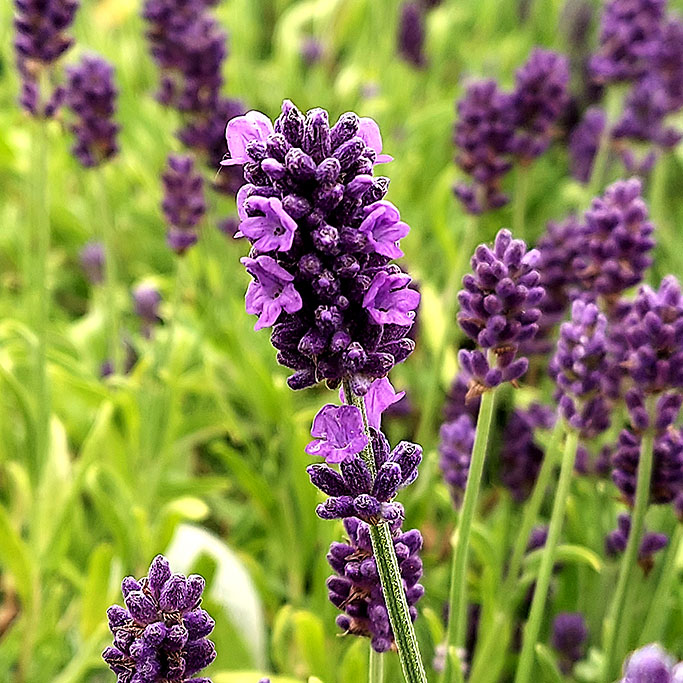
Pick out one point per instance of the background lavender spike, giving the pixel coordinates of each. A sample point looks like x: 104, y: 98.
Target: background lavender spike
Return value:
x: 569, y: 636
x: 411, y: 34
x: 456, y: 438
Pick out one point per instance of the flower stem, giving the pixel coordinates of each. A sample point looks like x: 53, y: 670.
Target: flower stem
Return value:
x: 519, y: 200
x: 390, y: 573
x: 458, y: 592
x: 613, y: 619
x: 376, y: 667
x: 533, y: 625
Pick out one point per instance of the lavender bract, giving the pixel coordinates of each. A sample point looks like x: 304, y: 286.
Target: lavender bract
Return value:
x: 183, y: 203
x: 499, y: 311
x: 354, y: 492
x: 356, y: 590
x: 456, y: 439
x: 91, y: 96
x: 161, y: 634
x: 349, y: 309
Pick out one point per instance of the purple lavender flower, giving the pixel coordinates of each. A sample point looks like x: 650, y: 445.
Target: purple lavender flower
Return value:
x: 618, y: 241
x: 669, y: 61
x: 355, y: 588
x: 579, y: 367
x: 584, y: 142
x: 539, y: 100
x: 456, y: 439
x: 39, y: 41
x: 537, y: 538
x: 351, y: 309
x: 355, y: 492
x: 91, y: 96
x: 93, y: 262
x: 380, y: 396
x: 183, y: 202
x: 483, y: 137
x: 161, y: 634
x: 649, y: 664
x: 456, y: 403
x: 667, y: 466
x: 498, y: 310
x: 273, y: 230
x: 651, y: 543
x: 411, y: 34
x: 569, y: 638
x: 630, y: 33
x: 338, y: 433
x: 520, y: 454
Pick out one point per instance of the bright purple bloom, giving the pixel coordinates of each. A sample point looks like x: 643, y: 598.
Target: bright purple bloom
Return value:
x: 483, y: 138
x: 93, y: 262
x: 338, y: 431
x: 183, y: 203
x: 380, y: 396
x: 273, y: 230
x: 617, y: 240
x: 499, y: 310
x: 539, y: 100
x: 356, y: 590
x: 649, y: 664
x: 411, y: 34
x: 456, y: 439
x: 356, y: 308
x: 270, y: 292
x: 579, y: 368
x: 569, y: 638
x: 584, y: 142
x: 161, y: 634
x: 355, y: 492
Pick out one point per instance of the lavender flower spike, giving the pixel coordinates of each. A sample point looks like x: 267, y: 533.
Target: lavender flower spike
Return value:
x: 456, y: 439
x: 569, y: 638
x: 314, y: 214
x: 411, y: 34
x: 338, y: 431
x: 161, y: 634
x: 499, y: 311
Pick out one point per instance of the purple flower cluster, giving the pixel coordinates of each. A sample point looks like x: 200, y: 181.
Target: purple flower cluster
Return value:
x: 499, y: 311
x: 520, y: 454
x: 323, y: 238
x: 651, y: 664
x: 456, y: 439
x: 183, y: 204
x: 356, y: 590
x: 584, y: 141
x: 161, y: 634
x: 411, y: 34
x: 569, y: 637
x: 651, y: 543
x: 457, y: 403
x: 354, y: 491
x: 91, y: 96
x: 578, y: 368
x: 40, y: 40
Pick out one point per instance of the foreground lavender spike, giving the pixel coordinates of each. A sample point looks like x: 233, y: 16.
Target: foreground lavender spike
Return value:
x: 161, y: 634
x: 356, y: 590
x: 91, y: 96
x: 499, y: 311
x: 323, y: 238
x: 183, y: 203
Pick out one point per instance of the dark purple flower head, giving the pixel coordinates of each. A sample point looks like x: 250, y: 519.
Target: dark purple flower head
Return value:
x: 411, y: 34
x: 91, y: 96
x: 499, y: 311
x: 654, y: 332
x: 569, y: 637
x: 578, y: 368
x: 520, y: 454
x: 630, y: 33
x: 669, y: 61
x: 40, y: 40
x: 537, y: 538
x: 355, y: 492
x: 539, y: 100
x: 338, y: 433
x: 183, y: 203
x: 314, y: 214
x: 93, y: 262
x: 355, y: 587
x: 161, y: 634
x: 483, y: 138
x: 616, y: 541
x: 584, y: 142
x: 617, y: 240
x: 456, y: 439
x: 649, y: 664
x: 667, y: 466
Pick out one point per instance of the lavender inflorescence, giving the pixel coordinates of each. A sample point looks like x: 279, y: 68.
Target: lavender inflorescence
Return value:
x: 650, y: 544
x: 456, y: 439
x: 569, y: 635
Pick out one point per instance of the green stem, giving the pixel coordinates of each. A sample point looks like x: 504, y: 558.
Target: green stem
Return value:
x: 522, y: 176
x: 533, y: 625
x: 628, y: 561
x: 390, y: 573
x: 375, y: 667
x: 458, y: 592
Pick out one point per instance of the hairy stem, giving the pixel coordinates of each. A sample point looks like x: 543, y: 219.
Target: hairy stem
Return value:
x: 538, y: 604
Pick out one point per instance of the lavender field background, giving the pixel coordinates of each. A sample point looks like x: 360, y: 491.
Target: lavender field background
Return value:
x: 140, y: 413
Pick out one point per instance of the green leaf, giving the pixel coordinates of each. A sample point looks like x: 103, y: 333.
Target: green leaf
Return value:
x: 546, y: 660
x: 16, y: 558
x: 95, y: 594
x: 249, y: 677
x: 309, y: 636
x: 566, y: 554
